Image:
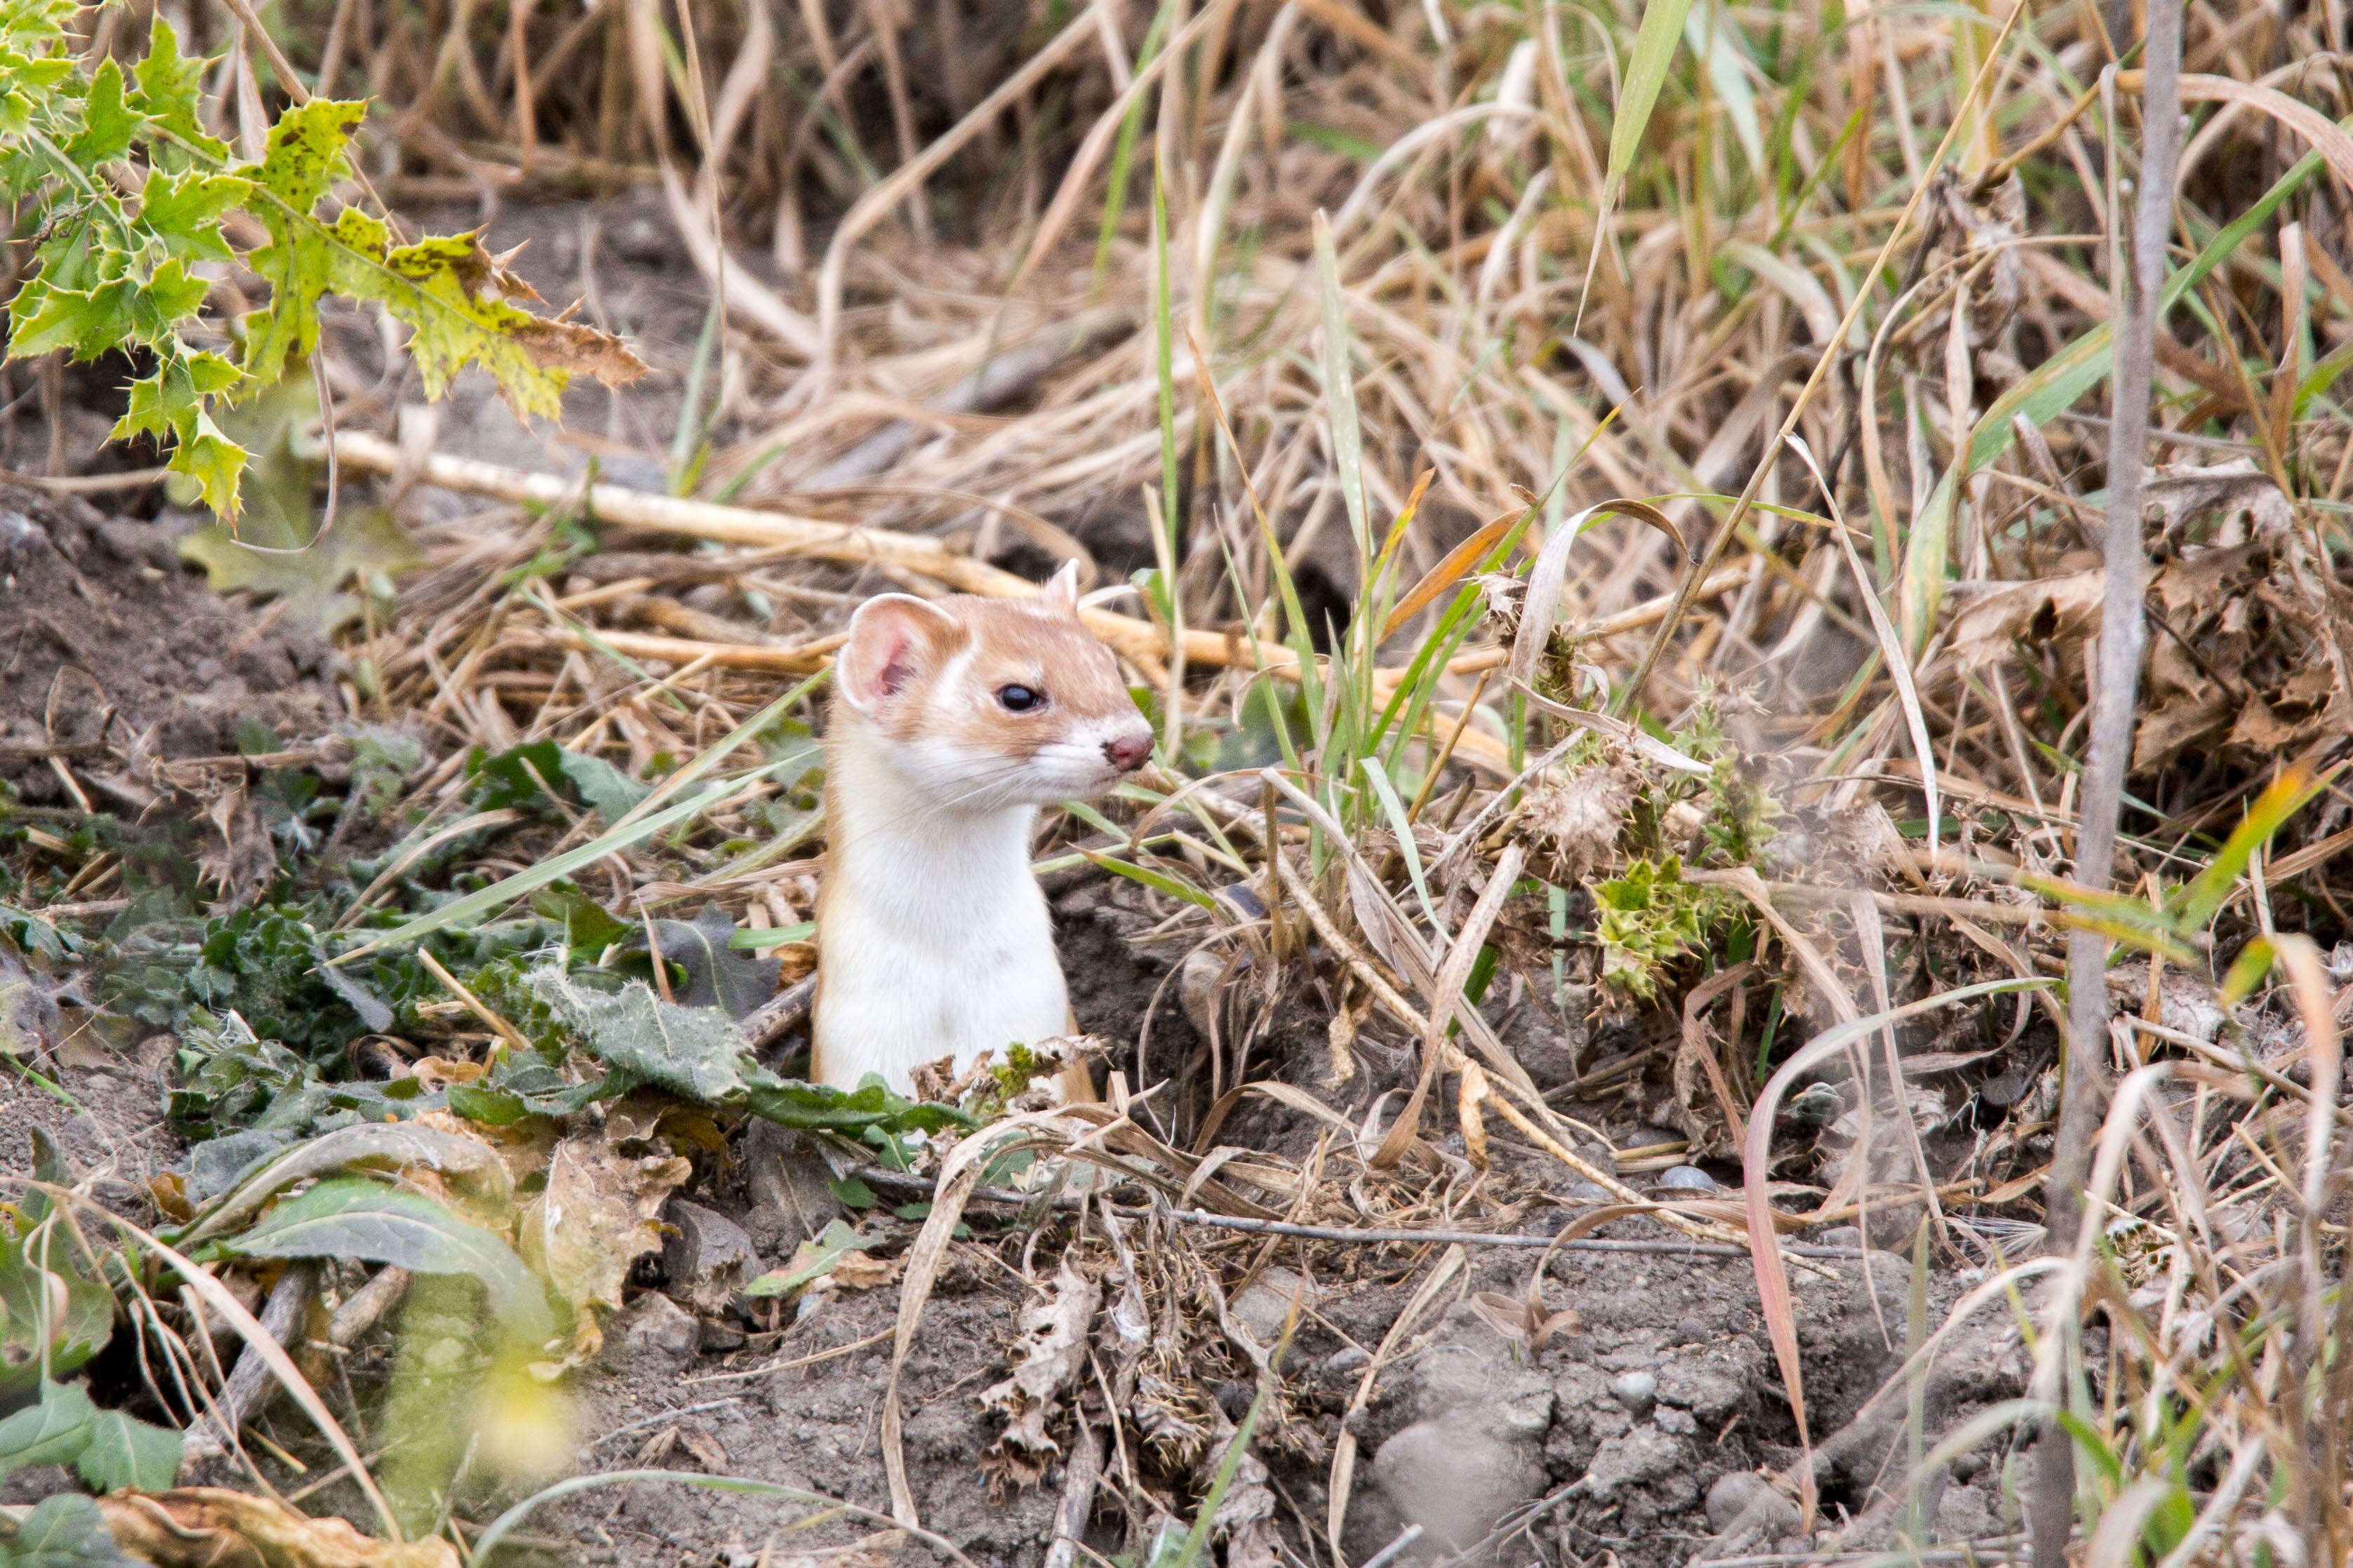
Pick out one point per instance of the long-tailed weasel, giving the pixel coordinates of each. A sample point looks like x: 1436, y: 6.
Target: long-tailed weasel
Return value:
x: 952, y: 722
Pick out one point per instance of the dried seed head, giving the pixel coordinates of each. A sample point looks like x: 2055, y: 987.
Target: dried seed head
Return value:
x: 1575, y: 822
x: 1505, y: 595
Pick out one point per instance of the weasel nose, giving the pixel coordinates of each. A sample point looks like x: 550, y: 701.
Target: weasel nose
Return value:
x: 1128, y: 752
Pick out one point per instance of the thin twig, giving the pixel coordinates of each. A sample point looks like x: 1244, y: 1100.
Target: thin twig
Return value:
x: 2122, y: 634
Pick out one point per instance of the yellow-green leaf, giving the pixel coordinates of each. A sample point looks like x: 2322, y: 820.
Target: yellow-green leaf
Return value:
x: 214, y: 461
x: 305, y: 150
x: 184, y: 211
x: 168, y: 89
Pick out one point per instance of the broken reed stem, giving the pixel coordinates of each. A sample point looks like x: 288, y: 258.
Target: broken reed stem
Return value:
x: 2122, y: 632
x: 360, y: 1312
x: 876, y: 1176
x: 818, y: 538
x: 249, y: 1379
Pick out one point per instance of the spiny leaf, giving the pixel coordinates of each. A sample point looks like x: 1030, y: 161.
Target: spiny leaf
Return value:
x: 453, y: 296
x: 171, y: 402
x: 365, y: 541
x: 305, y: 154
x: 108, y: 123
x: 169, y: 88
x: 123, y: 309
x: 184, y: 211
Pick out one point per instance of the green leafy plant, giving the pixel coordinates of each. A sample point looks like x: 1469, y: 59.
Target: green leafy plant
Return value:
x: 351, y: 1216
x: 65, y: 1530
x: 1647, y: 918
x: 133, y: 195
x: 106, y: 1449
x: 534, y: 773
x: 55, y: 1316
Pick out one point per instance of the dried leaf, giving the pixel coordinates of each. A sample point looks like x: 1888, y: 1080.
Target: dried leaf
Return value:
x: 1047, y: 1360
x: 708, y: 1451
x: 2063, y: 610
x: 206, y: 1527
x: 600, y: 1213
x: 856, y: 1271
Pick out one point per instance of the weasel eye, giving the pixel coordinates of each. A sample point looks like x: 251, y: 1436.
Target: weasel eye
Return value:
x: 1020, y: 699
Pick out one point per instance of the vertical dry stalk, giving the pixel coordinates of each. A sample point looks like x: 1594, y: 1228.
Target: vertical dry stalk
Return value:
x: 2121, y: 637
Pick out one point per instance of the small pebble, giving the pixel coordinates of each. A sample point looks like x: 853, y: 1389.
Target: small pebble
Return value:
x: 1589, y: 1193
x: 1679, y: 1422
x: 1345, y: 1360
x: 1841, y: 1235
x: 1635, y: 1389
x: 1687, y: 1179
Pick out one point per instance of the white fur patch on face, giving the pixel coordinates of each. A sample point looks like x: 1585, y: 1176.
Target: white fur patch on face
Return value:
x: 952, y: 775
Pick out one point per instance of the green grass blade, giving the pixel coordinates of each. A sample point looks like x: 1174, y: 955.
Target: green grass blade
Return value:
x: 1158, y: 881
x: 2194, y: 905
x: 1340, y: 394
x: 1123, y: 157
x: 1394, y: 809
x: 721, y: 749
x: 1164, y: 351
x: 1197, y: 1539
x: 1646, y: 72
x: 613, y: 841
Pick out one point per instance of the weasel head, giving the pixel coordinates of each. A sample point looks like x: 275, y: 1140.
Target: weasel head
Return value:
x: 979, y: 704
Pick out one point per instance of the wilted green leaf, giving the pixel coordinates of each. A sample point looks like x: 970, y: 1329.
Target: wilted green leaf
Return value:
x: 41, y: 1285
x: 365, y: 541
x: 367, y: 1145
x: 717, y: 975
x: 65, y: 1530
x: 695, y: 1052
x: 53, y: 1430
x: 350, y: 1217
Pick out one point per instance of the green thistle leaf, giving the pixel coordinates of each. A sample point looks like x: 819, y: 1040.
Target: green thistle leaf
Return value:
x: 168, y: 91
x: 108, y: 123
x: 305, y: 152
x: 184, y: 211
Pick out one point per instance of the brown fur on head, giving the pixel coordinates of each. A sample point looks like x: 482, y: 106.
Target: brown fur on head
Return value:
x: 982, y: 703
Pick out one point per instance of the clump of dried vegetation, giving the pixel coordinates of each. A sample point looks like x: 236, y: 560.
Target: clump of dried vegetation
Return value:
x: 1605, y: 507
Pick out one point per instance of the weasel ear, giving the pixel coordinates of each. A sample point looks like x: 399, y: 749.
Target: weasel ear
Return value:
x: 895, y: 640
x: 1062, y: 590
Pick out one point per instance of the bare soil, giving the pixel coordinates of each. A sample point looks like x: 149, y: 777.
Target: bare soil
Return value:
x: 106, y: 637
